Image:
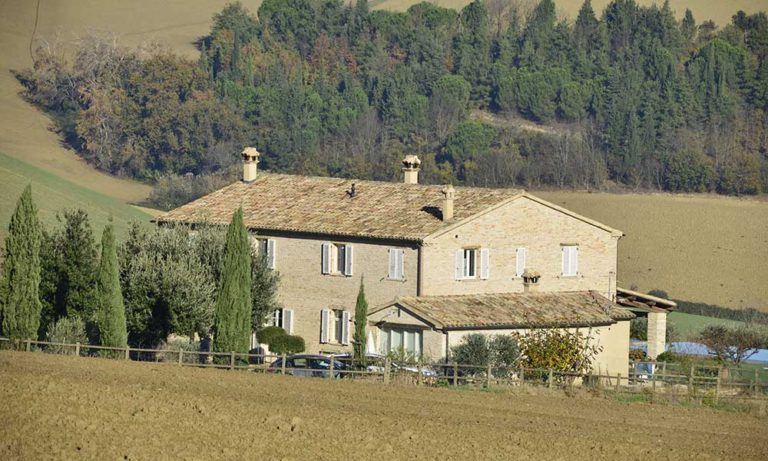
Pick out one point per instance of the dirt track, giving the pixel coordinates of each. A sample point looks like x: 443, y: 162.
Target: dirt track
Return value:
x: 65, y: 407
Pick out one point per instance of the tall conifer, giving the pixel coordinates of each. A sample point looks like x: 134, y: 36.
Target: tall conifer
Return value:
x: 361, y: 319
x: 21, y: 272
x: 232, y: 322
x: 109, y: 298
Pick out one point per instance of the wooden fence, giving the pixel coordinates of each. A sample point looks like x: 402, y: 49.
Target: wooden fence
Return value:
x: 649, y: 379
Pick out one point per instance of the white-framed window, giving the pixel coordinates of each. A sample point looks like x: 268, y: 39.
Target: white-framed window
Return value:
x: 334, y: 326
x: 570, y: 257
x: 396, y: 339
x: 337, y: 258
x: 472, y: 263
x: 520, y: 254
x: 267, y: 247
x: 396, y: 264
x: 283, y: 318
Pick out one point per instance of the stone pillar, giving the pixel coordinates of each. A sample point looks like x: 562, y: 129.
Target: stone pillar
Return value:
x: 657, y: 333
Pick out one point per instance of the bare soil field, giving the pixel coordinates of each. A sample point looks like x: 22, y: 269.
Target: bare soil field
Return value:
x: 65, y: 407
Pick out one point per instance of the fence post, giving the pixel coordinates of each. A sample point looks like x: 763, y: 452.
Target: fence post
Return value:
x: 232, y: 360
x: 387, y: 365
x: 330, y: 367
x: 757, y: 382
x: 522, y: 376
x: 284, y: 358
x: 181, y: 355
x: 455, y: 373
x: 653, y: 384
x: 421, y: 376
x: 618, y: 381
x: 488, y: 376
x: 717, y: 385
x: 550, y: 379
x: 28, y: 347
x: 77, y: 349
x: 127, y: 352
x: 690, y: 379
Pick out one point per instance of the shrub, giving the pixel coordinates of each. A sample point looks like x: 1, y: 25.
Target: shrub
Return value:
x: 67, y: 330
x: 171, y: 348
x: 638, y: 328
x: 267, y: 334
x: 287, y: 344
x: 560, y: 350
x: 636, y: 355
x: 480, y: 350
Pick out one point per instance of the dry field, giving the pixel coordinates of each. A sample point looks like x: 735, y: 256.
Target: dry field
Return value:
x: 702, y: 248
x: 65, y: 407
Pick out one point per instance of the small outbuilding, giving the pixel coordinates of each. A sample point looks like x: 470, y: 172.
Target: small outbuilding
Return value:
x: 432, y: 325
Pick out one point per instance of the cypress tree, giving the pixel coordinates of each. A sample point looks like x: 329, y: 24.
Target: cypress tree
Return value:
x: 109, y: 298
x: 361, y: 319
x: 21, y: 272
x: 232, y: 317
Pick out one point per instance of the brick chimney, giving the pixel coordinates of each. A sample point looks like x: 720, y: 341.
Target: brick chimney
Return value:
x: 530, y: 281
x: 250, y: 164
x: 411, y: 165
x: 449, y: 192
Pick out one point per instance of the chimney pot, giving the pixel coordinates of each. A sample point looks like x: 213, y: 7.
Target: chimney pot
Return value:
x: 250, y: 163
x: 531, y: 281
x: 411, y: 165
x: 449, y: 192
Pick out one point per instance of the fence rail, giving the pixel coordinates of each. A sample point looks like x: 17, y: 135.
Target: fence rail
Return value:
x: 648, y: 378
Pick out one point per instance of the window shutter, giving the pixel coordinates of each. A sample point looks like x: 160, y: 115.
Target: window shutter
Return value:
x: 288, y: 321
x: 485, y: 270
x: 345, y: 327
x: 326, y: 258
x: 520, y: 261
x: 392, y: 274
x: 400, y: 263
x: 271, y: 247
x: 276, y: 322
x: 348, y: 260
x: 459, y: 264
x: 566, y: 261
x: 574, y: 260
x: 324, y: 320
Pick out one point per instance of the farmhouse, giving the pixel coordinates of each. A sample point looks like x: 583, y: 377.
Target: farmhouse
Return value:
x: 438, y: 262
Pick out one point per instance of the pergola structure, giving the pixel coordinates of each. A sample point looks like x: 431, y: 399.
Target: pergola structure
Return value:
x: 655, y: 309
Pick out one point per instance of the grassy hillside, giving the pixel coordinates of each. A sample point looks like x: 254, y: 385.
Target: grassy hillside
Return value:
x: 719, y: 11
x: 53, y: 194
x: 688, y: 326
x: 702, y: 248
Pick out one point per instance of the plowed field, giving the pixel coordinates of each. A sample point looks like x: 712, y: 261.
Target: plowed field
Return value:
x: 81, y: 408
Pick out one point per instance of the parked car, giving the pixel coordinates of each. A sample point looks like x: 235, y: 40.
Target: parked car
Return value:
x: 308, y: 365
x: 375, y: 361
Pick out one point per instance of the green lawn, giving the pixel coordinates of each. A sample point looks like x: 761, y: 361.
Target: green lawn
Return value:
x: 53, y: 194
x: 688, y: 326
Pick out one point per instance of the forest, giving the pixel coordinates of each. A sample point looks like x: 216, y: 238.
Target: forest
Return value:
x: 497, y: 94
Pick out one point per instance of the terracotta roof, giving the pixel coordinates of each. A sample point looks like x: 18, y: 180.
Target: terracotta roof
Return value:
x: 321, y: 205
x: 644, y: 300
x: 514, y: 310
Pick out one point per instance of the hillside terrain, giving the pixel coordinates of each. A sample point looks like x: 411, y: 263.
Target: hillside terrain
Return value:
x: 89, y: 408
x: 52, y: 194
x: 702, y: 248
x: 695, y: 247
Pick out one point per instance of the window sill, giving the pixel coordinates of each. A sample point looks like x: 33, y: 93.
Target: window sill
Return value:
x: 395, y: 280
x: 473, y: 279
x: 577, y: 276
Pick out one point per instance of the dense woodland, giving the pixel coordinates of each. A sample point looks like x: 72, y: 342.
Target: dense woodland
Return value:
x: 630, y: 96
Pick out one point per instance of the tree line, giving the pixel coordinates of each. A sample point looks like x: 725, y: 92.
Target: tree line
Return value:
x: 630, y: 95
x: 59, y: 285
